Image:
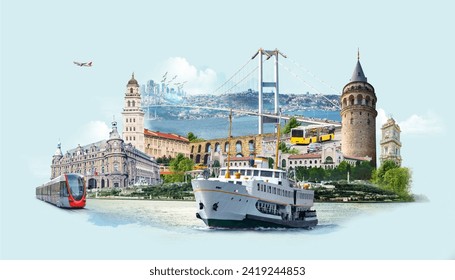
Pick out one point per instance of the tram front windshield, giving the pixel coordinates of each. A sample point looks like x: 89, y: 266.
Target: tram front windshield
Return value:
x: 76, y: 184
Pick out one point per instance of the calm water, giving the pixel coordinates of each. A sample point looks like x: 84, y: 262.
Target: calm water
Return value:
x: 218, y: 127
x: 179, y: 216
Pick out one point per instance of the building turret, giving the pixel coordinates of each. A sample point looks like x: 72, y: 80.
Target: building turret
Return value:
x: 358, y: 117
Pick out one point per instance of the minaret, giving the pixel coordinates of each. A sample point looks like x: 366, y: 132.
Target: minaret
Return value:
x: 358, y: 117
x: 133, y: 116
x: 390, y: 142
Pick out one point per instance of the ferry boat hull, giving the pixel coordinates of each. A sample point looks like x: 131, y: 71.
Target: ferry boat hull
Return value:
x: 230, y: 205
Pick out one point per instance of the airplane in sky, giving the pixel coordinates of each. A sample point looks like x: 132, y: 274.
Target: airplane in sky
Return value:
x: 86, y: 64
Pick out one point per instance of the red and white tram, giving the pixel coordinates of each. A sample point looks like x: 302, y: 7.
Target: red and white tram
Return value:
x: 67, y: 191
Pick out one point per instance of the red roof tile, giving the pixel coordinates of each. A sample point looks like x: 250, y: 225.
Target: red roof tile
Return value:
x: 305, y: 156
x: 170, y: 136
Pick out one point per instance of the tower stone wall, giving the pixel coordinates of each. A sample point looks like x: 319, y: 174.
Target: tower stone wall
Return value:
x: 358, y: 117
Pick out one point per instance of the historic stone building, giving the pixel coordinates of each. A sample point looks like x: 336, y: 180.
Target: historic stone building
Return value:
x: 107, y: 163
x: 358, y: 117
x: 390, y: 142
x: 154, y: 143
x: 160, y: 144
x: 206, y: 152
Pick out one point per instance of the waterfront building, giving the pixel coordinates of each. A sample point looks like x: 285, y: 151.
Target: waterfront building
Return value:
x: 160, y: 144
x: 107, y: 163
x: 358, y: 117
x: 390, y: 142
x: 154, y: 143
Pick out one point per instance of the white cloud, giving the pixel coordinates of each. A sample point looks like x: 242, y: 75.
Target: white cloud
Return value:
x: 415, y: 124
x: 381, y: 118
x: 198, y: 80
x: 93, y: 131
x: 422, y: 124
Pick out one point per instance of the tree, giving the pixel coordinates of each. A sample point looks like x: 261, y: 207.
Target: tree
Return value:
x: 398, y: 180
x: 191, y: 137
x: 292, y: 123
x: 179, y: 165
x: 378, y: 175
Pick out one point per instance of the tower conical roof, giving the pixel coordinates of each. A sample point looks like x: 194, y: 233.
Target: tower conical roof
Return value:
x: 358, y: 75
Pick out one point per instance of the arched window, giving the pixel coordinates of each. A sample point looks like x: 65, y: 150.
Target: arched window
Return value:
x: 129, y: 104
x: 208, y: 148
x: 251, y: 145
x: 199, y: 148
x: 134, y: 103
x: 226, y: 147
x: 351, y: 100
x: 359, y: 99
x: 238, y: 146
x: 217, y: 147
x: 131, y: 90
x: 198, y: 158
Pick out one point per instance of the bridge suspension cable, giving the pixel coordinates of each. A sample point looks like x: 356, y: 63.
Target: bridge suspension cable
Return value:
x: 232, y: 77
x: 306, y: 83
x: 314, y: 76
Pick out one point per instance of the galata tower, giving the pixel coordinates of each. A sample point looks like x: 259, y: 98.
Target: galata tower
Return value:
x: 358, y: 117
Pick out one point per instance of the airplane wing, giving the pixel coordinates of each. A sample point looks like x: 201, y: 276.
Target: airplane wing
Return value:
x: 77, y: 63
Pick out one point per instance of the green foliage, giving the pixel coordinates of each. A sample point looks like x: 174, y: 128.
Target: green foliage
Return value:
x: 167, y: 191
x: 360, y: 172
x: 286, y: 150
x: 390, y: 176
x: 378, y: 175
x: 292, y: 123
x: 164, y: 160
x: 179, y: 165
x: 398, y: 180
x: 193, y: 138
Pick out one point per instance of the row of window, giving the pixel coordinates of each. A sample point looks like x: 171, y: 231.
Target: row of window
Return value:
x: 255, y: 172
x: 133, y: 128
x: 131, y: 120
x: 305, y: 196
x: 274, y: 190
x: 130, y: 138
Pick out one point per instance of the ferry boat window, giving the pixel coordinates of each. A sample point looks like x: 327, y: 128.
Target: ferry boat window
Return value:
x: 259, y: 187
x: 283, y: 175
x: 269, y: 190
x: 223, y: 172
x: 277, y: 174
x: 242, y: 172
x: 274, y: 190
x: 266, y: 173
x: 248, y: 173
x: 256, y: 172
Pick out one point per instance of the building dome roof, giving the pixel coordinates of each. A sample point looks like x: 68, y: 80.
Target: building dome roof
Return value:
x: 132, y: 81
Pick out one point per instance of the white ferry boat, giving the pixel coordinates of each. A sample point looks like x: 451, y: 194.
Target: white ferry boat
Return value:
x: 253, y: 196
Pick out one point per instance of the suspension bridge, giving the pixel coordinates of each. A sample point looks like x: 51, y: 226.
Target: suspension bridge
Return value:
x: 243, y: 78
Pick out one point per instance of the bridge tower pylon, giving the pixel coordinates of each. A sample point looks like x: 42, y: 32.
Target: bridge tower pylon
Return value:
x: 261, y: 84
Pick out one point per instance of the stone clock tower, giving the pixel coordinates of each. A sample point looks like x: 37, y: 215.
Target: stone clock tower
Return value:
x: 133, y: 116
x: 358, y: 117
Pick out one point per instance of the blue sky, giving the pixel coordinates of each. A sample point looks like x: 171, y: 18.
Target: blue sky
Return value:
x: 406, y: 50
